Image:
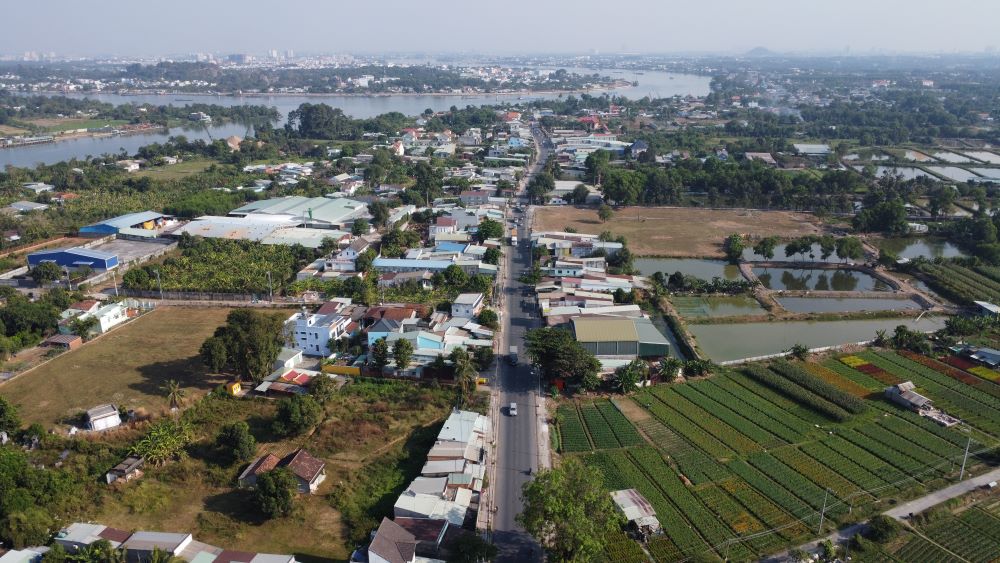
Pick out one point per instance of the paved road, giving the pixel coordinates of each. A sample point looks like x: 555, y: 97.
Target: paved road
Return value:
x: 517, y: 436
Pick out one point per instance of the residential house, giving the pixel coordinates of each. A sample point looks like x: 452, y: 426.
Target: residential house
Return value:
x: 442, y: 225
x: 139, y: 547
x: 130, y: 468
x: 27, y: 206
x: 107, y: 316
x: 103, y: 417
x: 393, y: 279
x: 345, y: 260
x: 472, y: 198
x: 38, y: 187
x: 79, y: 535
x: 467, y: 305
x: 392, y: 544
x: 312, y: 332
x: 308, y: 471
x: 64, y: 341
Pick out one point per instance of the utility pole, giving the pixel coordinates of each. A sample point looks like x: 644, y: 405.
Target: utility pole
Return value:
x: 270, y: 289
x: 114, y: 280
x: 822, y: 513
x: 965, y: 458
x: 159, y: 283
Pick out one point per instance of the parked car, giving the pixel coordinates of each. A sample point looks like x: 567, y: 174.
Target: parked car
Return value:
x: 512, y: 410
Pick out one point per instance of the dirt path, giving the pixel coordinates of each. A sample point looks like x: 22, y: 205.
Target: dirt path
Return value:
x: 630, y: 409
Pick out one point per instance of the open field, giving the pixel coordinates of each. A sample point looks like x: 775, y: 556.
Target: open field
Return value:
x: 56, y: 124
x: 11, y: 130
x: 176, y: 171
x: 677, y: 231
x: 126, y: 367
x: 752, y: 453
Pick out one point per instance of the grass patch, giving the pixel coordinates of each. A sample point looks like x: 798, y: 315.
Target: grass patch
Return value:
x: 57, y: 124
x: 677, y: 231
x: 126, y: 367
x: 177, y: 171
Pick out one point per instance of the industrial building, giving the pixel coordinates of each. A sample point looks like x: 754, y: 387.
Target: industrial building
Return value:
x: 620, y: 337
x: 144, y: 224
x: 76, y: 257
x: 313, y: 212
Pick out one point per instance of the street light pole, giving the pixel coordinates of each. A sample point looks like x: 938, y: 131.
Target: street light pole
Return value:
x: 114, y: 280
x: 159, y: 283
x: 270, y: 289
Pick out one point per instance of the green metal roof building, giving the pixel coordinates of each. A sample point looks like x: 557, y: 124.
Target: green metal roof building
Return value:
x: 620, y: 336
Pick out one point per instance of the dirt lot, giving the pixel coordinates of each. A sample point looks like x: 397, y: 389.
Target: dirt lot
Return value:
x: 127, y: 367
x: 677, y: 231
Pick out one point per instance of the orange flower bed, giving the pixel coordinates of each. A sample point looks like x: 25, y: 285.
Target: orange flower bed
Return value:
x: 834, y: 378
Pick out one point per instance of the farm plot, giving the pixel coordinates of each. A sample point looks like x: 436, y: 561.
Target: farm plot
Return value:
x: 571, y: 430
x: 598, y: 429
x: 707, y: 400
x: 689, y: 430
x: 728, y: 435
x: 975, y: 535
x: 622, y: 428
x: 919, y: 550
x: 836, y: 379
x: 697, y: 466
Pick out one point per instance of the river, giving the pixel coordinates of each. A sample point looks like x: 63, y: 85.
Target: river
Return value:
x: 658, y: 84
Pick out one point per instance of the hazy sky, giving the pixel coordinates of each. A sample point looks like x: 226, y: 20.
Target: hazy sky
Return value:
x: 151, y: 27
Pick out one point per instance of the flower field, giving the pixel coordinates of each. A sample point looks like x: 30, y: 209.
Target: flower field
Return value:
x: 742, y: 464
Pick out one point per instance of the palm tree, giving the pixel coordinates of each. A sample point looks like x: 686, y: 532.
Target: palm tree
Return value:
x: 465, y: 373
x: 174, y: 393
x: 160, y: 556
x: 669, y: 367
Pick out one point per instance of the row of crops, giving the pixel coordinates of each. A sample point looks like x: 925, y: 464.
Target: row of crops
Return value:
x: 962, y: 285
x: 744, y: 463
x: 597, y: 425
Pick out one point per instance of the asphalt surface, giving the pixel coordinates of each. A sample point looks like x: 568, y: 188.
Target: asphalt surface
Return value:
x: 517, y: 436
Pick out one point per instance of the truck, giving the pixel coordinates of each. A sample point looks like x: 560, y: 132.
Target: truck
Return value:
x: 513, y: 237
x: 512, y: 356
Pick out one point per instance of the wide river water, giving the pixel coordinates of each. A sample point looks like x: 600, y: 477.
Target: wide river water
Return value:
x: 656, y: 84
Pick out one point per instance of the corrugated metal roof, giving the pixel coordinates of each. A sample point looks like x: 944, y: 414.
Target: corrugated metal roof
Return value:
x: 78, y: 251
x: 611, y: 329
x: 124, y: 221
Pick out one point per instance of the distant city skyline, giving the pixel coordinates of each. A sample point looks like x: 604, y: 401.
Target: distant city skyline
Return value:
x: 148, y: 29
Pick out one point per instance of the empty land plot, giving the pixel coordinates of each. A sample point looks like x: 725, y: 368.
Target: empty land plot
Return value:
x: 126, y: 367
x: 176, y: 171
x: 677, y: 231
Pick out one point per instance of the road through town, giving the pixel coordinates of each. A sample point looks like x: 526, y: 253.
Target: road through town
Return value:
x: 518, y: 455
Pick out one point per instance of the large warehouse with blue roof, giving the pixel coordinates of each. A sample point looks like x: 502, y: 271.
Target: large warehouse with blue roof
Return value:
x: 75, y: 258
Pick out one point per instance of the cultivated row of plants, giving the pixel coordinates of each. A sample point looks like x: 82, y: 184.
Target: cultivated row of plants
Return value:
x: 795, y: 392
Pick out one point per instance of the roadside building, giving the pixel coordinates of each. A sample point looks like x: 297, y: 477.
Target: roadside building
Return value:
x: 144, y: 224
x: 103, y: 417
x: 467, y: 305
x: 620, y: 337
x: 75, y: 258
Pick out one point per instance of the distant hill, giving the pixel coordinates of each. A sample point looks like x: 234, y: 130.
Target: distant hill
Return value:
x: 759, y: 52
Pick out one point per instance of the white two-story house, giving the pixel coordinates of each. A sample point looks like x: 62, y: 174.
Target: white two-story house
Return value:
x: 312, y: 333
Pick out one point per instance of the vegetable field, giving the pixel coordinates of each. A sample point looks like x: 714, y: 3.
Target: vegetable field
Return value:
x: 743, y: 462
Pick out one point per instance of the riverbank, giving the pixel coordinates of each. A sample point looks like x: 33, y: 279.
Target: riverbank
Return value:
x: 541, y: 92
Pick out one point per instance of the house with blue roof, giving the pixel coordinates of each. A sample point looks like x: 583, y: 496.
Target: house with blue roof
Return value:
x: 73, y: 258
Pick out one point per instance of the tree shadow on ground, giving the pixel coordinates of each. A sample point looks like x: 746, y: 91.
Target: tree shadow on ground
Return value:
x: 187, y: 371
x: 237, y: 505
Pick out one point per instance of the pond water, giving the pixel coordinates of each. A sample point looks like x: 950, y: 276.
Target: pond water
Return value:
x: 953, y: 173
x: 988, y: 174
x: 806, y: 279
x: 844, y: 304
x: 985, y: 156
x: 716, y: 306
x: 697, y: 267
x: 675, y: 349
x: 912, y: 247
x: 907, y: 172
x: 946, y: 156
x: 727, y: 342
x: 657, y: 84
x: 916, y: 156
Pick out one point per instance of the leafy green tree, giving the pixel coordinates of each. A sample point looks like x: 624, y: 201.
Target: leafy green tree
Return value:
x: 627, y: 377
x: 380, y: 353
x: 402, y: 352
x: 46, y: 272
x: 274, y: 492
x: 253, y: 341
x: 484, y: 356
x: 765, y: 247
x: 489, y: 319
x: 26, y: 528
x: 214, y: 354
x: 10, y: 421
x: 455, y: 276
x: 55, y: 554
x: 733, y: 247
x: 296, y: 415
x: 360, y: 227
x: 379, y: 211
x: 568, y: 512
x: 164, y: 441
x: 558, y: 354
x: 237, y: 441
x: 488, y: 228
x: 850, y: 248
x: 82, y: 325
x: 605, y: 213
x: 882, y: 528
x: 579, y: 194
x: 492, y: 256
x: 670, y: 368
x: 322, y: 388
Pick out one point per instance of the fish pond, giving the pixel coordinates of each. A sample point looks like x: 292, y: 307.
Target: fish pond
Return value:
x: 809, y: 279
